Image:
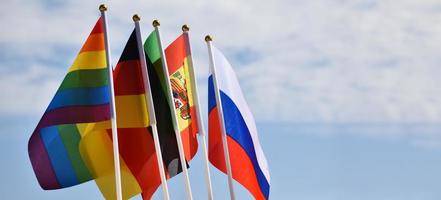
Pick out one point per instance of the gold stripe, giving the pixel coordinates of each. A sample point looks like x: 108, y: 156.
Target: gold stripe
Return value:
x: 131, y: 111
x: 96, y: 151
x: 184, y: 71
x: 85, y: 128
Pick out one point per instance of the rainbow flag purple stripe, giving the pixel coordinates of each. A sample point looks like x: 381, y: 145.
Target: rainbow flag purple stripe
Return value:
x: 83, y: 97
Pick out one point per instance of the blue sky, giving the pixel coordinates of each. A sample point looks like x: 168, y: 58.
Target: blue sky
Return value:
x: 346, y: 94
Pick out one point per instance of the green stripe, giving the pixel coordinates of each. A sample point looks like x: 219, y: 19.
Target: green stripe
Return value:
x: 153, y: 52
x: 71, y: 140
x: 160, y: 73
x: 85, y: 78
x: 167, y: 137
x: 151, y: 47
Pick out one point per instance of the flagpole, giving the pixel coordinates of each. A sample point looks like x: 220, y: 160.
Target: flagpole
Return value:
x: 103, y: 9
x: 201, y: 127
x: 171, y: 103
x: 209, y: 39
x: 151, y: 108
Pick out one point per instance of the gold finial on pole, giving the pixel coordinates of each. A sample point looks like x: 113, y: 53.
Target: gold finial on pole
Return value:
x: 103, y: 7
x: 136, y: 18
x: 185, y: 28
x: 208, y: 38
x: 156, y: 23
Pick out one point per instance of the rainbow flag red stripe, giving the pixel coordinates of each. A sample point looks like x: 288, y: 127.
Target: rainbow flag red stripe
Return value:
x: 83, y: 97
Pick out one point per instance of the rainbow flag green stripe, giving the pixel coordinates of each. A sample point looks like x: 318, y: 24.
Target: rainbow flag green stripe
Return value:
x: 71, y: 139
x: 85, y: 79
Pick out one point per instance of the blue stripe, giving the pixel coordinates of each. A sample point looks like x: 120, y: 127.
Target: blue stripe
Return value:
x: 211, y: 95
x: 237, y: 129
x: 58, y: 156
x: 80, y: 97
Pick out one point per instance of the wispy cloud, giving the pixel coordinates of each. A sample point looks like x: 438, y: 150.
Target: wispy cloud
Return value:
x: 298, y: 61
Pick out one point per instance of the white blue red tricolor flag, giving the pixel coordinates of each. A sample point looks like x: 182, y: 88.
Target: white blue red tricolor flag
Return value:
x: 248, y: 163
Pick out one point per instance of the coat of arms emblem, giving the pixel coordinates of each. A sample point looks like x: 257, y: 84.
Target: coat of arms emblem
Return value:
x: 180, y: 96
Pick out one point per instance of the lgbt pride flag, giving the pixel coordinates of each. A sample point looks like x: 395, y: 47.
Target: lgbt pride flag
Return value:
x: 248, y: 163
x: 178, y: 55
x: 83, y: 97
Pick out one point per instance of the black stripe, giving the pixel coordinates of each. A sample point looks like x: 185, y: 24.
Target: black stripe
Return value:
x: 130, y: 51
x: 167, y: 137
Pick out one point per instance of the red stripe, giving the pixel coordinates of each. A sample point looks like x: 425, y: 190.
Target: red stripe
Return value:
x: 242, y: 167
x: 175, y: 54
x: 128, y: 78
x: 75, y: 114
x: 215, y: 147
x: 189, y: 136
x: 41, y: 164
x: 138, y: 151
x: 243, y: 170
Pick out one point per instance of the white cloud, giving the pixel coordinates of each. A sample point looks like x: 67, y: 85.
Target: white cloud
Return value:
x: 326, y: 61
x: 29, y: 90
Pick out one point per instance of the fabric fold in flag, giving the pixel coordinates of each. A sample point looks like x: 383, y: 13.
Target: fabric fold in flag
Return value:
x: 97, y: 151
x: 167, y: 138
x: 248, y: 163
x: 139, y: 165
x: 82, y: 98
x: 139, y: 168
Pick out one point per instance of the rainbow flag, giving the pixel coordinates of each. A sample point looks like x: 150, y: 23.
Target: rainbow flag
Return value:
x: 83, y: 97
x: 178, y: 55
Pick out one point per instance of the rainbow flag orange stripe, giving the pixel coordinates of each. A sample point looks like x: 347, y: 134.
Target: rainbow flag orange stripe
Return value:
x: 83, y: 97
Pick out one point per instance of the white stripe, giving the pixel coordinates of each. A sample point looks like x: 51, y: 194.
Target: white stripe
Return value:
x: 229, y: 84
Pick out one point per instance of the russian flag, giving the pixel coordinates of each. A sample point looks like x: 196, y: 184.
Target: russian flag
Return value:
x: 248, y: 163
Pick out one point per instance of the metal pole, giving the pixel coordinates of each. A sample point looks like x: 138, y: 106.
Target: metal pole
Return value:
x: 201, y: 127
x: 150, y: 107
x: 103, y: 9
x: 209, y: 39
x: 156, y: 24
